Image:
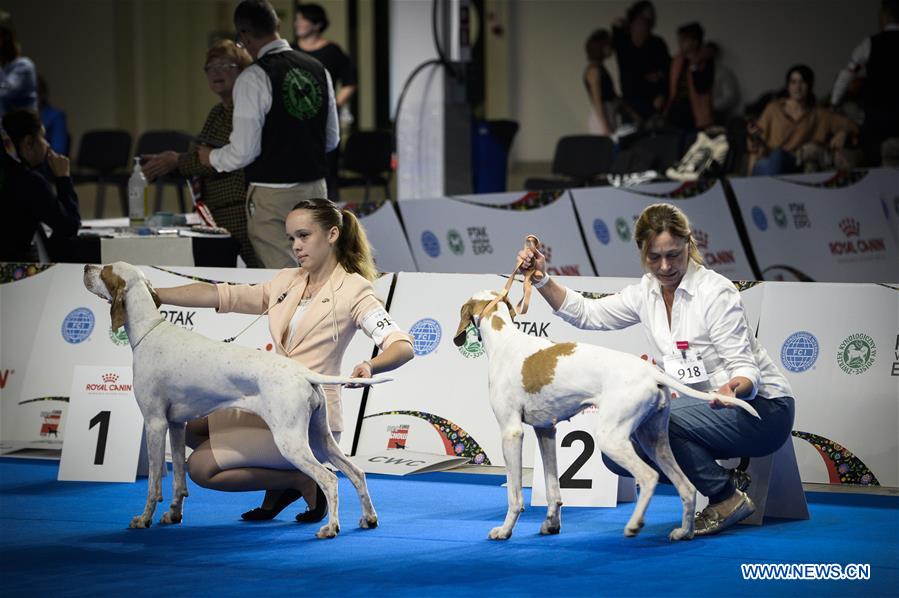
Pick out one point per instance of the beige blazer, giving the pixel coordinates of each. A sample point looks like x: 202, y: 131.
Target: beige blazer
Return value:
x: 321, y: 338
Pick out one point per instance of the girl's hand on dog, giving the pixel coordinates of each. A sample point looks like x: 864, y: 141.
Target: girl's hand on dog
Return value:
x: 362, y: 370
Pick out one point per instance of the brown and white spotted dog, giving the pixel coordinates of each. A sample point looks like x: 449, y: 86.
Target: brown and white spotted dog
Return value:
x: 180, y: 375
x: 535, y: 381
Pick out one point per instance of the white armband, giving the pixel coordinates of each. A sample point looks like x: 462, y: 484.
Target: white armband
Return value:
x: 379, y: 325
x: 542, y: 281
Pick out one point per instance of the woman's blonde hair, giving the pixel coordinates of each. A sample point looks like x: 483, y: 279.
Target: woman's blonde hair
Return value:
x: 353, y: 249
x: 229, y: 49
x: 660, y: 218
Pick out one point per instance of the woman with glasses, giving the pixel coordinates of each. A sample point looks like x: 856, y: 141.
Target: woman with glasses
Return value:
x: 224, y: 193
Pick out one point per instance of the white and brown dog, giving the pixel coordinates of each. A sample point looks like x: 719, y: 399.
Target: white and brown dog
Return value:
x: 538, y: 382
x: 180, y: 375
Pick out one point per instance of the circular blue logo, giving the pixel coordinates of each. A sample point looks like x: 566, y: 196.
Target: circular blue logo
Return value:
x: 78, y: 325
x: 601, y: 231
x: 799, y: 351
x: 426, y: 335
x: 758, y: 216
x: 430, y: 243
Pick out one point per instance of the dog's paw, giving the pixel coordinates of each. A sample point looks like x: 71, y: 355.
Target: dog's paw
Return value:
x: 140, y: 522
x: 550, y: 528
x: 369, y: 522
x: 499, y: 533
x: 680, y: 533
x: 328, y: 531
x: 632, y: 530
x: 170, y: 517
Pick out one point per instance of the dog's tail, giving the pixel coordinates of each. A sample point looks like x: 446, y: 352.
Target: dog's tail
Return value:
x: 316, y: 378
x: 663, y: 378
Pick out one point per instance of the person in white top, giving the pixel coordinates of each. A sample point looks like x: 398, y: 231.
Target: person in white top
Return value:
x: 697, y: 329
x: 285, y: 121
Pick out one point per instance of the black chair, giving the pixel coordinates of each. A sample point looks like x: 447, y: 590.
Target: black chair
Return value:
x: 102, y: 155
x: 155, y: 142
x: 580, y: 159
x: 367, y: 155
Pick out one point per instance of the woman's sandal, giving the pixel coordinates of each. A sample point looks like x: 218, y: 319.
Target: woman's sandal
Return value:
x: 287, y: 496
x: 315, y: 515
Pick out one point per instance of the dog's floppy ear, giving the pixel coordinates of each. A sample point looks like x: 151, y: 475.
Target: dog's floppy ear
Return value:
x: 464, y: 321
x: 116, y: 287
x: 154, y: 295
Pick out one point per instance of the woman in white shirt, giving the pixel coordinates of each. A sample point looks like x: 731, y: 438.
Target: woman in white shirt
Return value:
x: 694, y: 321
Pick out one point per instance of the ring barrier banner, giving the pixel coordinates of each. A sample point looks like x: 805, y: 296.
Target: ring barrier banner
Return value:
x: 837, y: 229
x: 838, y: 345
x: 51, y: 323
x: 608, y: 214
x: 481, y: 233
x: 385, y: 234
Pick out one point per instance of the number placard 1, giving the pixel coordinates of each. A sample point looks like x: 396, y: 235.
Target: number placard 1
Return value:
x: 103, y: 428
x: 584, y: 480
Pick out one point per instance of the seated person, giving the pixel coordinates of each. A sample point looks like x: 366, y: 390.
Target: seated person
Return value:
x: 28, y: 198
x: 793, y: 134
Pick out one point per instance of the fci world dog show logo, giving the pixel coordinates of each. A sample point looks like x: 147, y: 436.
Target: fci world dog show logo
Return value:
x: 430, y: 243
x: 799, y: 352
x: 454, y: 242
x: 78, y: 325
x: 857, y: 353
x: 426, y: 335
x: 118, y: 337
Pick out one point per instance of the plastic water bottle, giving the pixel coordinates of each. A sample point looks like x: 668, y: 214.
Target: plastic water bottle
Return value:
x: 137, y: 196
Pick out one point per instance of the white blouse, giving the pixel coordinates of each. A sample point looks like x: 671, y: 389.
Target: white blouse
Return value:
x: 707, y: 313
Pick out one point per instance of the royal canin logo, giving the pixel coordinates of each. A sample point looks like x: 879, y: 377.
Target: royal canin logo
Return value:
x: 854, y: 244
x: 572, y: 270
x: 108, y: 384
x: 712, y: 258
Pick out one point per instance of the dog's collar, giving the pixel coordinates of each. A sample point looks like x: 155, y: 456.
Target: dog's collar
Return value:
x: 144, y: 335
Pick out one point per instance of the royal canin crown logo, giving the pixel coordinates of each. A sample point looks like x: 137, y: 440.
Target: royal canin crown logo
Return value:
x: 108, y: 384
x: 854, y: 244
x: 850, y: 227
x: 701, y: 238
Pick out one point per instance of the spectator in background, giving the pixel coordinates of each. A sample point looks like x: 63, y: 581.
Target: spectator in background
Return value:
x: 689, y: 104
x: 18, y: 78
x: 794, y: 134
x: 725, y: 89
x: 600, y: 89
x: 225, y: 193
x: 643, y: 60
x: 876, y: 60
x: 28, y: 198
x: 311, y: 21
x: 285, y: 122
x: 54, y: 120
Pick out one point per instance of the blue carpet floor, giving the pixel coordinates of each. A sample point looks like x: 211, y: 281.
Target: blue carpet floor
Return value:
x: 71, y: 539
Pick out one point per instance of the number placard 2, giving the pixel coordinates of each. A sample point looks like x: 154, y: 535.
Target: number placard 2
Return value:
x: 103, y: 428
x: 584, y: 480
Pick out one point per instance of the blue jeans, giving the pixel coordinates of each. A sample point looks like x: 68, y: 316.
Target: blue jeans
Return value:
x: 777, y: 162
x: 699, y: 435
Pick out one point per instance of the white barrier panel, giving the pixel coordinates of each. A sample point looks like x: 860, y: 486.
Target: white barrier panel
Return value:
x: 831, y: 230
x: 73, y: 328
x: 838, y: 344
x: 482, y: 233
x: 607, y: 216
x: 439, y: 402
x: 385, y: 234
